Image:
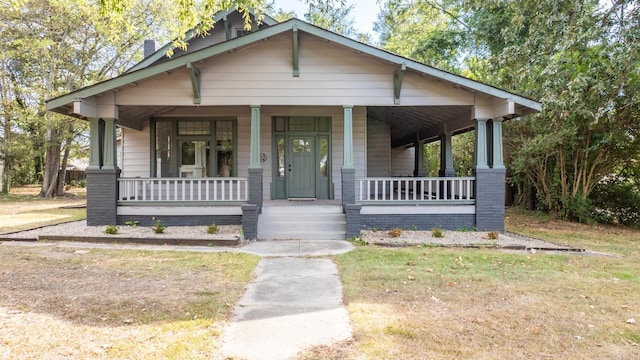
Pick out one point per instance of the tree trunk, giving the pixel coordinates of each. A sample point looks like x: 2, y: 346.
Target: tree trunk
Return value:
x: 52, y: 165
x: 62, y: 173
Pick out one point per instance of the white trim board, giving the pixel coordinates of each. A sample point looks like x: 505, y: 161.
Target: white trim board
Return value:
x: 427, y: 210
x: 178, y: 210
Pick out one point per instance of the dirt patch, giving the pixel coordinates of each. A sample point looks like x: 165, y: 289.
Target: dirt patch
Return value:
x: 57, y: 302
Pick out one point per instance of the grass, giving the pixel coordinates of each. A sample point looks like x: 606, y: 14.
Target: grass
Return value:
x: 104, y: 304
x: 445, y: 303
x: 22, y: 209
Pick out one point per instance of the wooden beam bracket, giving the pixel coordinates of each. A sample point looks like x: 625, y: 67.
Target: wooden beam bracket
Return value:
x: 296, y: 52
x: 195, y: 82
x: 227, y: 28
x: 397, y: 83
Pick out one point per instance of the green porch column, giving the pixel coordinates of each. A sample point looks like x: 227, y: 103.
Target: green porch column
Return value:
x: 348, y: 168
x: 480, y: 155
x: 446, y: 156
x: 109, y: 161
x: 255, y: 168
x: 94, y: 144
x: 498, y: 157
x: 418, y: 166
x: 348, y: 138
x: 254, y: 161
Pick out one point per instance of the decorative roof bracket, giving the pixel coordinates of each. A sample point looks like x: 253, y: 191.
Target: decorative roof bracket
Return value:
x: 296, y: 52
x: 195, y: 82
x: 397, y: 83
x: 227, y: 28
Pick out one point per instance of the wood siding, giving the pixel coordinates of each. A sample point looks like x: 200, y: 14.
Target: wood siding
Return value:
x: 378, y: 145
x: 262, y: 74
x: 136, y: 152
x: 402, y: 161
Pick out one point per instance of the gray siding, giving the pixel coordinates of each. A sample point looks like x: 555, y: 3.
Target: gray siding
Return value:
x: 402, y: 161
x: 378, y: 145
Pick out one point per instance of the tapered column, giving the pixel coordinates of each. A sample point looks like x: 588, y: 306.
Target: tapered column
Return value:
x: 348, y: 168
x: 498, y: 157
x: 480, y: 155
x: 94, y: 144
x: 446, y: 156
x: 255, y: 167
x: 348, y: 138
x: 418, y: 167
x: 254, y: 162
x: 109, y: 161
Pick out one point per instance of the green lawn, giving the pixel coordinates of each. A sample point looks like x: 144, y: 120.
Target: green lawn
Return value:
x: 439, y: 303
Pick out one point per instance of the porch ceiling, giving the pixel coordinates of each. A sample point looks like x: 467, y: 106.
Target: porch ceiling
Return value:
x: 408, y: 123
x: 132, y: 116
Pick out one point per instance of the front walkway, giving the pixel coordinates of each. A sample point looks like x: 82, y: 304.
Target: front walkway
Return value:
x: 292, y: 305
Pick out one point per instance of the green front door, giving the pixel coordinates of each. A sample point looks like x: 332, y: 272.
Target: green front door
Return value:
x: 301, y: 160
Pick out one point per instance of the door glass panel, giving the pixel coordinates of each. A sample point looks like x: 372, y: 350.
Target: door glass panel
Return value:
x: 194, y: 158
x: 279, y: 125
x: 194, y: 128
x: 163, y: 149
x: 301, y: 145
x: 224, y: 148
x: 324, y: 124
x: 280, y: 157
x: 323, y: 156
x: 302, y: 124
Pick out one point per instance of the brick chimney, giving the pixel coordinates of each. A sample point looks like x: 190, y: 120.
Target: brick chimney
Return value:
x: 150, y: 47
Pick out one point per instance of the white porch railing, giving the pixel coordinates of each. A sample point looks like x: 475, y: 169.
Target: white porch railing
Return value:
x: 396, y: 189
x: 138, y: 190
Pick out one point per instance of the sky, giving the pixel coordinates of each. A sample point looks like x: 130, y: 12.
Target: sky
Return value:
x: 364, y: 13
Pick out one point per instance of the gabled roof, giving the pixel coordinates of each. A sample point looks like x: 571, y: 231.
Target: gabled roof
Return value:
x: 218, y: 17
x: 142, y: 73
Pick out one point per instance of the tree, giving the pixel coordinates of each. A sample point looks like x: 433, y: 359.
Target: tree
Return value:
x: 50, y: 47
x: 199, y: 15
x: 336, y: 19
x: 581, y: 61
x: 431, y: 32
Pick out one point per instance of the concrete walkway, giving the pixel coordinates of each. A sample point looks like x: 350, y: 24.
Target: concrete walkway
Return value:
x: 292, y: 305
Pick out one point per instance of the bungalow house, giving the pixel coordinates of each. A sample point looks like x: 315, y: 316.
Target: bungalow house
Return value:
x: 290, y: 126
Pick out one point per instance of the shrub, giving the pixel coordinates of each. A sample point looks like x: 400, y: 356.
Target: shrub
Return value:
x: 493, y: 235
x: 132, y: 223
x: 159, y: 228
x: 213, y: 229
x: 437, y: 232
x: 617, y: 200
x: 395, y: 232
x: 111, y: 230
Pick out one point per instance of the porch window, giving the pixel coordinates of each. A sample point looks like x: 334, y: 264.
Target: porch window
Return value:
x: 194, y: 148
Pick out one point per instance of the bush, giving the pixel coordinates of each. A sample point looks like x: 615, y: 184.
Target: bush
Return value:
x: 111, y: 230
x: 617, y: 200
x: 395, y: 232
x: 493, y: 235
x: 437, y: 232
x: 213, y: 229
x: 577, y: 208
x: 159, y: 228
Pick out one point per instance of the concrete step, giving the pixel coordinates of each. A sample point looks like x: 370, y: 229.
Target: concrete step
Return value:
x: 303, y: 235
x: 302, y: 223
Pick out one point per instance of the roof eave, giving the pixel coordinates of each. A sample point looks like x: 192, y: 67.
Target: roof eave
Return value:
x: 279, y: 28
